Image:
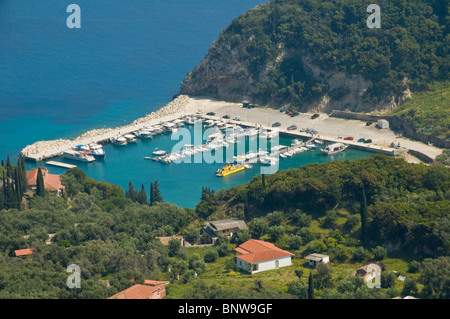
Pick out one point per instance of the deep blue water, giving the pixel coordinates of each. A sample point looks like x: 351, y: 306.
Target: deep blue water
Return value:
x: 127, y: 60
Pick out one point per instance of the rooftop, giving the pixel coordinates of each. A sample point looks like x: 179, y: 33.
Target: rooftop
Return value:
x: 254, y: 251
x: 316, y: 257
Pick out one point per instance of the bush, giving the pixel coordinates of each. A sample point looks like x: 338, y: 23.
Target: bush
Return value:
x: 379, y: 253
x: 414, y: 266
x: 387, y: 279
x: 360, y: 254
x: 211, y: 255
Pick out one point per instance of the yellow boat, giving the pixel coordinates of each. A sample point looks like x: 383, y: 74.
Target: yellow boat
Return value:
x: 229, y: 169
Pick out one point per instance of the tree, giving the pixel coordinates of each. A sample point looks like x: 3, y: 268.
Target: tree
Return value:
x: 141, y: 197
x: 40, y: 187
x: 155, y: 193
x: 310, y: 286
x: 435, y: 276
x: 298, y: 289
x: 211, y: 255
x: 379, y: 253
x: 174, y: 246
x: 387, y: 279
x: 363, y: 213
x: 131, y: 193
x: 191, y: 235
x: 409, y: 287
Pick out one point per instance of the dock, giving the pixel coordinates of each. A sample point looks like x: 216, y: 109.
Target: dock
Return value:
x: 60, y: 164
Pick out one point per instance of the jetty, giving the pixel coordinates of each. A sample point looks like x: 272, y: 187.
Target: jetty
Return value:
x: 60, y: 164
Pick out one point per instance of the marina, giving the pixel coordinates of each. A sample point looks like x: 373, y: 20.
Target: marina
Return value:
x: 181, y: 183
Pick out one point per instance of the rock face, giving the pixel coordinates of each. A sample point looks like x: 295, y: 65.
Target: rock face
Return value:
x: 224, y: 74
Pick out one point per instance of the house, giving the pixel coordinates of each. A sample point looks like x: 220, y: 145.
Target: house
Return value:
x: 225, y: 227
x: 151, y: 289
x: 315, y: 259
x: 52, y: 182
x: 383, y: 123
x: 23, y: 252
x: 256, y: 255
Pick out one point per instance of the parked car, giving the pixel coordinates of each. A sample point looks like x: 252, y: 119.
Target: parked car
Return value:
x: 292, y: 127
x: 276, y: 124
x: 211, y: 113
x: 245, y: 104
x: 199, y: 111
x: 368, y: 141
x: 226, y: 116
x: 348, y: 138
x: 304, y: 129
x: 368, y: 123
x: 314, y: 116
x: 312, y: 131
x: 282, y: 110
x: 362, y: 140
x: 237, y: 118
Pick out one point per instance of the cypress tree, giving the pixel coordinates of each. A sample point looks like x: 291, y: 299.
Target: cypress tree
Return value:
x: 363, y: 213
x: 131, y: 193
x: 152, y: 193
x: 155, y: 195
x: 22, y: 175
x: 310, y: 286
x: 40, y: 187
x: 142, y: 196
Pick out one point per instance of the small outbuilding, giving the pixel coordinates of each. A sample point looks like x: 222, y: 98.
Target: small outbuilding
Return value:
x: 315, y: 259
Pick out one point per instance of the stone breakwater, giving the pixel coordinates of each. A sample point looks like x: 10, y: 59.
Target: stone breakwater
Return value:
x: 46, y: 149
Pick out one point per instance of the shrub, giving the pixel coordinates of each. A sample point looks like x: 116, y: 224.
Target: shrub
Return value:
x: 211, y: 255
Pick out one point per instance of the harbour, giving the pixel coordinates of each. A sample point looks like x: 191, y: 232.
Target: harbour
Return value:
x: 181, y: 183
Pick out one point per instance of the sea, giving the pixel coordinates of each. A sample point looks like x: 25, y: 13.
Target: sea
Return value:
x: 126, y: 60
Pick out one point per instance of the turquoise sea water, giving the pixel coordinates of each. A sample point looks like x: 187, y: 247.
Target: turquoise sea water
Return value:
x: 127, y: 60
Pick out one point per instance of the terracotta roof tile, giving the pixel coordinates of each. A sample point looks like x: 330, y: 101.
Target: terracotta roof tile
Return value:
x: 23, y: 252
x: 254, y: 251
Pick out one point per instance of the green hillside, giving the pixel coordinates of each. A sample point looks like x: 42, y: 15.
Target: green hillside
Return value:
x: 428, y: 112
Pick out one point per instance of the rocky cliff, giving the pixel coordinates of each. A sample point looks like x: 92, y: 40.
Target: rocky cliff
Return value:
x: 293, y: 54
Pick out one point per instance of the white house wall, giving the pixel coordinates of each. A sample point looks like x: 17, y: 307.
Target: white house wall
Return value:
x: 264, y: 265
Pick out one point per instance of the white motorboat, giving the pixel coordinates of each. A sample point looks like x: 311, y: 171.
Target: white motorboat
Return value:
x: 130, y: 138
x: 144, y: 133
x: 97, y: 150
x: 334, y: 148
x: 78, y: 156
x: 159, y: 152
x: 119, y: 140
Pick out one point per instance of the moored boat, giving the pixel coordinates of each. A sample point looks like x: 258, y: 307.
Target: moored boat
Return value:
x: 230, y: 169
x: 334, y: 148
x: 119, y: 140
x: 78, y: 156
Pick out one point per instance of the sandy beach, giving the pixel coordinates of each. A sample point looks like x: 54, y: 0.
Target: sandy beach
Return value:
x: 327, y: 127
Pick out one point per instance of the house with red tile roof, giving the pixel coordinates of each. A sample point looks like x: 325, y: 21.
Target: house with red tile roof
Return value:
x: 52, y: 182
x: 23, y: 252
x: 257, y: 255
x: 151, y: 289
